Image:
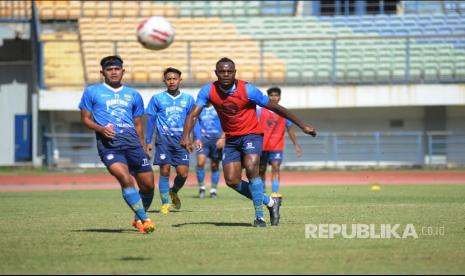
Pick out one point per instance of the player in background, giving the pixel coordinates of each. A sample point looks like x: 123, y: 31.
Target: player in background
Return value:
x: 209, y: 139
x: 273, y: 127
x: 166, y: 113
x: 114, y: 112
x: 236, y: 101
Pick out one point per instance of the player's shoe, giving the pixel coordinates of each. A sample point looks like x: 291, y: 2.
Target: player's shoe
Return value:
x: 213, y: 195
x: 276, y: 195
x: 202, y: 193
x: 148, y: 226
x: 259, y: 223
x: 165, y: 209
x: 144, y: 227
x: 175, y: 200
x: 274, y: 211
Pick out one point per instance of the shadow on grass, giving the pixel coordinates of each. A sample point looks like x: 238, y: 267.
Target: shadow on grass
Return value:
x: 219, y: 224
x: 134, y: 259
x: 109, y: 231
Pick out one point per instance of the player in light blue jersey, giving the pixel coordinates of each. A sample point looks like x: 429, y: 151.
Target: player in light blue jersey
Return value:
x: 114, y: 112
x: 166, y: 113
x: 209, y: 139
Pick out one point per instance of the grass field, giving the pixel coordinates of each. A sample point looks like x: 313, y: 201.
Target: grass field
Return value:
x: 88, y: 232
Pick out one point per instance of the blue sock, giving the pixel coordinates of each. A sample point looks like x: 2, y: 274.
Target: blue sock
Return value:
x: 215, y: 179
x: 179, y: 182
x: 147, y: 199
x: 164, y: 187
x: 274, y: 186
x: 266, y: 199
x: 256, y: 189
x: 200, y: 176
x: 243, y: 189
x: 132, y: 198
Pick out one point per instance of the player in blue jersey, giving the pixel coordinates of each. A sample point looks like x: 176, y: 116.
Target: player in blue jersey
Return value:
x: 166, y: 113
x: 209, y: 140
x: 114, y: 112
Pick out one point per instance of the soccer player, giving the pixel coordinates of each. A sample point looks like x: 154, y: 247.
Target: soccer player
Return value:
x: 166, y: 112
x: 114, y: 112
x: 235, y: 101
x: 209, y: 140
x: 273, y: 127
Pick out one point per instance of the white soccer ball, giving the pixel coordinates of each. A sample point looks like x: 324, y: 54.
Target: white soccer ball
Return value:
x: 155, y: 33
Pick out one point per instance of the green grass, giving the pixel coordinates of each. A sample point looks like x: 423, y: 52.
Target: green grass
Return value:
x: 88, y: 232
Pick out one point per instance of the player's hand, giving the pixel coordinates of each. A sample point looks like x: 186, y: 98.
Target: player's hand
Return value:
x: 198, y: 145
x: 148, y: 150
x: 220, y: 143
x: 108, y: 131
x: 298, y: 150
x: 309, y: 130
x: 187, y: 144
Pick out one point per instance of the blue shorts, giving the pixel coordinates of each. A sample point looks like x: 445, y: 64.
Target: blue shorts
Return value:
x: 236, y: 147
x: 271, y: 156
x: 172, y: 154
x: 135, y: 158
x: 210, y: 150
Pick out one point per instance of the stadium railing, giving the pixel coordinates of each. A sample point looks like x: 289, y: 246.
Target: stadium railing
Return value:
x: 328, y: 149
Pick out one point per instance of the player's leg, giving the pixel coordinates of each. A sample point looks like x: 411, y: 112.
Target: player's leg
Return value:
x: 215, y: 178
x: 276, y: 158
x: 263, y: 166
x: 180, y: 160
x: 117, y: 165
x: 200, y: 172
x: 139, y: 166
x: 179, y: 181
x: 162, y: 158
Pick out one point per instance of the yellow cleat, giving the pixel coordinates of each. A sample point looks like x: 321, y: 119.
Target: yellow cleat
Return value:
x: 175, y: 200
x: 165, y: 209
x: 276, y: 195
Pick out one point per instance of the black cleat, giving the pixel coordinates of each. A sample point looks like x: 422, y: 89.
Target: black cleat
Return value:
x: 213, y: 195
x: 201, y: 193
x: 274, y: 211
x: 259, y: 223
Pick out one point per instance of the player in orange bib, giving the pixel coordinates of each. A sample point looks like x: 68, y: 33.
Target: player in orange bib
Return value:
x: 274, y: 127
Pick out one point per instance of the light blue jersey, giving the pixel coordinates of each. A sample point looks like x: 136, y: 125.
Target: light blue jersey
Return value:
x: 169, y: 114
x: 208, y: 125
x: 117, y: 107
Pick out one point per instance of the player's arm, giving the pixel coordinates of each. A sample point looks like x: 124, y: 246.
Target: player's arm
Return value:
x: 284, y: 112
x: 189, y: 124
x: 297, y: 147
x: 86, y: 119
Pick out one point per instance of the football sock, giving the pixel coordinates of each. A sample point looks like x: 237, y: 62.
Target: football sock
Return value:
x: 147, y: 199
x: 274, y: 185
x: 212, y: 190
x: 179, y: 182
x: 268, y: 201
x: 215, y: 179
x: 243, y: 189
x: 256, y: 189
x: 164, y: 187
x: 132, y: 198
x: 200, y: 176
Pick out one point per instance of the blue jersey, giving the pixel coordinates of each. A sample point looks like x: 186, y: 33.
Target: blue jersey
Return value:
x: 117, y: 107
x: 169, y: 114
x: 208, y: 125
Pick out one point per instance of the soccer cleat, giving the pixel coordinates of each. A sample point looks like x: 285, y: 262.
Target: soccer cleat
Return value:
x: 138, y: 225
x: 259, y: 223
x: 202, y: 193
x: 175, y: 200
x: 148, y: 226
x: 165, y: 209
x: 213, y: 195
x: 276, y: 195
x: 274, y: 211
